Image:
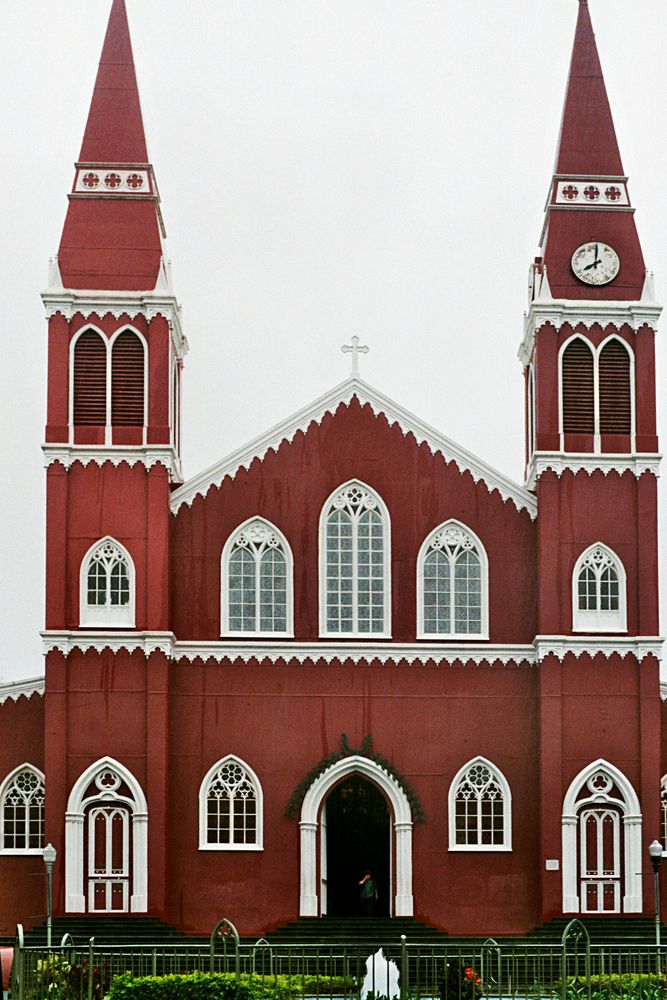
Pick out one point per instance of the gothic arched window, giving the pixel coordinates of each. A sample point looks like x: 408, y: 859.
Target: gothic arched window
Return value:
x: 577, y: 388
x: 615, y: 390
x: 107, y: 585
x: 452, y: 584
x: 598, y: 591
x: 127, y: 380
x: 355, y: 592
x: 230, y: 808
x: 89, y: 388
x: 480, y: 809
x: 256, y: 583
x: 22, y: 811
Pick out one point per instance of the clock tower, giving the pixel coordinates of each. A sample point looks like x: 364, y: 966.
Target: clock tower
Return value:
x: 591, y: 450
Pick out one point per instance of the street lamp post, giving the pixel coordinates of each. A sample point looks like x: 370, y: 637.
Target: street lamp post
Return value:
x: 655, y: 852
x: 49, y: 855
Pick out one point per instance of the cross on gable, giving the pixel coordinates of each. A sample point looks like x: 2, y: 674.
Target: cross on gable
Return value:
x: 355, y: 349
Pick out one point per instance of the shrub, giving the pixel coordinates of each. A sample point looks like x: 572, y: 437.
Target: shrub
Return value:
x: 626, y: 986
x: 56, y: 979
x: 459, y: 982
x: 223, y: 986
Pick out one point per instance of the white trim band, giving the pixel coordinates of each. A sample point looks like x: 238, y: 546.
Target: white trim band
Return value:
x: 18, y: 689
x: 147, y: 455
x: 560, y: 462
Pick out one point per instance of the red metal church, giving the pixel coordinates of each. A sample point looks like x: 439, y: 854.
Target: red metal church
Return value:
x: 258, y: 681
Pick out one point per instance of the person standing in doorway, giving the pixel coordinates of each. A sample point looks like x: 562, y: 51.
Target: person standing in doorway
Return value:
x: 368, y: 892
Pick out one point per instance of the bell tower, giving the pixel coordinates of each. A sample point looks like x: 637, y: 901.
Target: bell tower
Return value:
x: 115, y: 354
x: 592, y: 460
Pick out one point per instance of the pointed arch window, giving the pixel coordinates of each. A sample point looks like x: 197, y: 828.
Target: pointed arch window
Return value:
x: 257, y: 581
x: 452, y: 584
x: 107, y: 586
x: 354, y: 563
x: 230, y: 808
x: 598, y: 591
x: 615, y: 393
x: 22, y: 811
x: 127, y: 380
x: 90, y: 380
x: 578, y: 388
x: 480, y: 809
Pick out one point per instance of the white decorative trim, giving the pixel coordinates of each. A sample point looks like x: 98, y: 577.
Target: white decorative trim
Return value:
x: 560, y: 462
x: 632, y: 826
x: 599, y: 620
x: 74, y: 834
x: 258, y: 845
x: 561, y: 646
x: 146, y: 455
x: 112, y: 180
x: 588, y: 312
x: 107, y: 616
x: 380, y: 404
x: 663, y: 691
x: 402, y: 822
x: 503, y: 784
x: 591, y: 192
x: 480, y: 551
x: 150, y: 303
x: 65, y: 642
x: 18, y: 689
x: 370, y: 500
x: 266, y: 529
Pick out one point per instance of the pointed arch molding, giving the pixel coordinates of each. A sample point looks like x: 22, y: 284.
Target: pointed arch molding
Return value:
x: 632, y: 829
x: 309, y: 822
x: 75, y: 900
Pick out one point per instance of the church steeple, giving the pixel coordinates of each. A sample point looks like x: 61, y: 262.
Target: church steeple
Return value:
x: 111, y: 237
x: 589, y: 200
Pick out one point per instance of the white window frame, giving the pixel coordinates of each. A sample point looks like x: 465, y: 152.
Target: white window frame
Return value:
x: 94, y: 616
x: 108, y: 343
x: 386, y: 542
x: 484, y: 586
x: 503, y: 784
x: 599, y: 620
x: 596, y: 352
x: 4, y: 788
x: 225, y: 630
x: 203, y: 801
x: 663, y: 813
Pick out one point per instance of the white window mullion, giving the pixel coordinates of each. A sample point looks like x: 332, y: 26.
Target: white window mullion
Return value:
x: 355, y: 570
x: 107, y: 431
x: 596, y: 402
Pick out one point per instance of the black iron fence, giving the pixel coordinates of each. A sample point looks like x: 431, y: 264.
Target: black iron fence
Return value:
x: 573, y: 969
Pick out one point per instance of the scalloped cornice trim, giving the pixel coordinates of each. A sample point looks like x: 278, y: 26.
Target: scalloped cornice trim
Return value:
x: 147, y: 455
x: 663, y: 691
x: 160, y: 302
x: 588, y: 313
x: 330, y: 652
x: 21, y: 689
x: 561, y: 646
x: 560, y: 462
x: 380, y: 404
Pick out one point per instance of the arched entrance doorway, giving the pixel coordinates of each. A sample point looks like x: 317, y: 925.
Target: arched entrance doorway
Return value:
x: 314, y: 856
x: 355, y: 837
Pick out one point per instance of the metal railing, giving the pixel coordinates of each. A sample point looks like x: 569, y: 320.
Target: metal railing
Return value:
x: 573, y: 969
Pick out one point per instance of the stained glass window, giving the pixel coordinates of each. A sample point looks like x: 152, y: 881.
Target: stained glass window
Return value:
x: 256, y: 580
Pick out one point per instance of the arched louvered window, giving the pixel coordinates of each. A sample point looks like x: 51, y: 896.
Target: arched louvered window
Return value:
x: 22, y: 811
x: 230, y: 808
x: 615, y: 395
x: 452, y: 583
x: 90, y: 380
x: 480, y: 809
x: 127, y: 380
x: 578, y: 388
x: 256, y: 581
x: 107, y: 585
x: 598, y: 587
x: 354, y: 563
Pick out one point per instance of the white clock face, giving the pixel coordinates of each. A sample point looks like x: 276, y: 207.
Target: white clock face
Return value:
x: 595, y: 263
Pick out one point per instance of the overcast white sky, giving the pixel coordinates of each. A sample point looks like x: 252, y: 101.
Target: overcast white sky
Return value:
x: 327, y: 167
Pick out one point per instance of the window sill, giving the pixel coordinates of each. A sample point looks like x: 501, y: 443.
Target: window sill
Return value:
x: 604, y: 629
x: 453, y: 637
x: 257, y: 635
x: 480, y: 848
x: 370, y: 636
x: 19, y: 852
x: 230, y: 847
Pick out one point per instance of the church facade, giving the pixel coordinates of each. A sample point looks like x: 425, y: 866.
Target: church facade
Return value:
x: 351, y: 645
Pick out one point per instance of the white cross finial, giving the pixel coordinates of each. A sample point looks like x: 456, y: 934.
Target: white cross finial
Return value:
x: 355, y: 349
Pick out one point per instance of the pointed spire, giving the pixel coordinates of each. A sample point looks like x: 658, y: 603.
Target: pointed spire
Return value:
x: 115, y: 131
x: 588, y: 142
x: 111, y: 237
x: 589, y: 201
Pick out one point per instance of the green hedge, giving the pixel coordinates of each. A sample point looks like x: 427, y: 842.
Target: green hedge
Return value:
x: 223, y: 986
x: 627, y: 986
